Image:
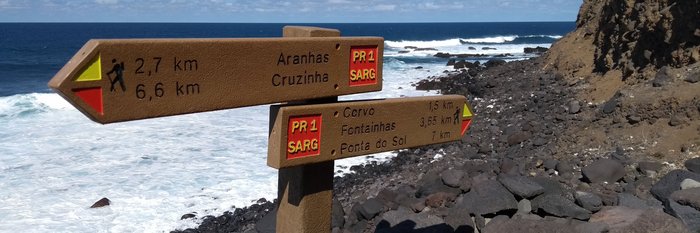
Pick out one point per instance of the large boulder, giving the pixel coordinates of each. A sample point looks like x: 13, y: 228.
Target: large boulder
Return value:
x: 628, y: 220
x: 589, y: 201
x: 693, y: 165
x: 487, y: 197
x: 530, y: 225
x: 452, y: 177
x: 559, y: 206
x: 521, y: 186
x: 404, y: 220
x: 670, y: 183
x: 688, y: 215
x: 689, y: 197
x: 370, y: 208
x: 604, y: 170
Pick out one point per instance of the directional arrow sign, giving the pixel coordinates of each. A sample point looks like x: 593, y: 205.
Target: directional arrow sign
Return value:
x: 316, y: 133
x: 121, y: 80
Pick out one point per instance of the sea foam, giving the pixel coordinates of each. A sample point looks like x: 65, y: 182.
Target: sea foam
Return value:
x: 56, y: 162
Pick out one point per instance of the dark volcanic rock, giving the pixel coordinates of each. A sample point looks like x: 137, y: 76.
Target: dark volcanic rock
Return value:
x: 693, y: 165
x: 553, y: 187
x: 443, y: 55
x: 589, y: 201
x: 620, y: 219
x: 603, y: 170
x: 633, y: 119
x: 403, y: 220
x: 425, y: 49
x: 670, y: 183
x: 692, y: 77
x: 459, y: 220
x: 528, y: 225
x: 632, y: 201
x: 494, y: 63
x: 559, y: 206
x: 487, y: 197
x: 649, y: 167
x: 101, y: 203
x: 688, y: 215
x: 574, y: 107
x: 524, y: 206
x: 337, y: 214
x: 452, y: 177
x: 537, y: 49
x: 675, y: 120
x: 518, y: 137
x: 187, y: 216
x: 432, y: 184
x: 565, y: 167
x: 661, y: 78
x: 521, y: 186
x: 370, y: 208
x: 550, y: 164
x: 465, y: 64
x: 268, y: 223
x: 610, y: 105
x: 689, y: 197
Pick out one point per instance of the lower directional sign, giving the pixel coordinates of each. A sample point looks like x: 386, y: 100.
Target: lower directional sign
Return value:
x: 316, y: 133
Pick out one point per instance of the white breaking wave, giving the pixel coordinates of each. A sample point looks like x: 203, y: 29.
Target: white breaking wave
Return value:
x: 21, y: 105
x: 462, y: 41
x: 494, y: 40
x: 55, y: 162
x: 422, y: 44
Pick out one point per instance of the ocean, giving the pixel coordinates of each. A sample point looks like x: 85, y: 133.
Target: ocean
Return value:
x: 55, y: 162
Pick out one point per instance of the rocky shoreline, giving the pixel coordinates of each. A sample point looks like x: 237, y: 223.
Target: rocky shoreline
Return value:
x: 511, y: 170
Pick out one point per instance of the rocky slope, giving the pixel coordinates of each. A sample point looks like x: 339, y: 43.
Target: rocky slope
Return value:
x: 601, y: 134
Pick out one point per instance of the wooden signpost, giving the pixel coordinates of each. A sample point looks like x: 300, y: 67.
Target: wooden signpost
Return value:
x: 121, y: 80
x: 307, y: 134
x: 130, y: 79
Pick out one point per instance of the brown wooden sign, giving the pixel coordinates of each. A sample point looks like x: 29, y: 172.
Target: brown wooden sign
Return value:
x: 316, y: 133
x: 129, y: 79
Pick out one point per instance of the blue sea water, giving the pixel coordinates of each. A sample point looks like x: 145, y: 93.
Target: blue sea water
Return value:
x: 54, y: 162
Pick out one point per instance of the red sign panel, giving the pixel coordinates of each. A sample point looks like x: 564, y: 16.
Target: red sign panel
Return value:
x: 363, y: 65
x: 304, y: 136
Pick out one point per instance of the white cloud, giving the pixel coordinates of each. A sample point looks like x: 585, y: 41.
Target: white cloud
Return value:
x: 385, y: 7
x: 107, y: 2
x: 440, y: 6
x: 339, y: 2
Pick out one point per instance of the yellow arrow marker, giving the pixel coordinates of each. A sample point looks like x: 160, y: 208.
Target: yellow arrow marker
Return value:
x: 467, y: 112
x: 92, y: 73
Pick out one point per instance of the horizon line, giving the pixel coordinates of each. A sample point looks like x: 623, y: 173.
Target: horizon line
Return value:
x: 162, y: 22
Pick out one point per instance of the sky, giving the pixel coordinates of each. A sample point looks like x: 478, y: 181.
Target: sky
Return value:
x: 288, y: 11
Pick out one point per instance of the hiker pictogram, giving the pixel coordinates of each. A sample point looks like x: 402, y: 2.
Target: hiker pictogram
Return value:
x: 118, y: 71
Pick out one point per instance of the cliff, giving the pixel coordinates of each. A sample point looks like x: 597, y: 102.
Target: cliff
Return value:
x: 636, y: 37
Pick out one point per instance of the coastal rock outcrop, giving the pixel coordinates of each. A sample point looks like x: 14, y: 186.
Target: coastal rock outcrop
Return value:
x: 634, y: 37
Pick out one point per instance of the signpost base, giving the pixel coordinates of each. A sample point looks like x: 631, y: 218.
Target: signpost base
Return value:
x: 305, y: 193
x: 306, y: 196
